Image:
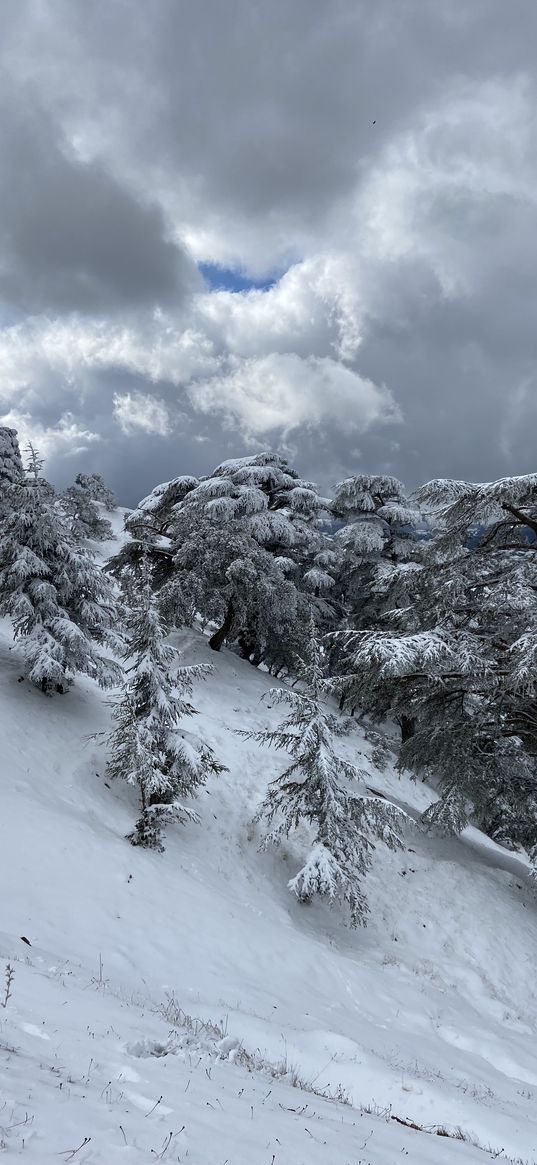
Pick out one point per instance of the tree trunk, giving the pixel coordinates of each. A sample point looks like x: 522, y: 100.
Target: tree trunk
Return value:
x: 218, y: 639
x: 407, y: 728
x: 247, y: 646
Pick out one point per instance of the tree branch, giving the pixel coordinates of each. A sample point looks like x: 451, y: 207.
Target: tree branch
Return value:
x: 520, y: 516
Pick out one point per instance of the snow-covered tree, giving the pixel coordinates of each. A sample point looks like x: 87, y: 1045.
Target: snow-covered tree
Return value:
x: 379, y: 517
x: 380, y: 545
x: 96, y: 489
x: 243, y: 549
x: 11, y: 467
x: 86, y: 522
x: 324, y: 791
x: 149, y: 746
x: 383, y: 529
x: 237, y: 584
x: 60, y: 603
x: 459, y: 658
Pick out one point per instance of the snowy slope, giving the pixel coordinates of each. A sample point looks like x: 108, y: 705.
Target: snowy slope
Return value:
x: 428, y: 1015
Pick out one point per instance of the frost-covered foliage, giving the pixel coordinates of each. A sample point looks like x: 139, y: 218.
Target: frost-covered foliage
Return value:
x: 380, y: 521
x: 96, y: 489
x: 148, y: 746
x: 458, y: 663
x: 380, y: 546
x: 61, y: 604
x: 11, y: 467
x: 153, y: 514
x: 325, y: 791
x: 86, y: 522
x: 244, y: 549
x: 238, y: 585
x: 382, y: 537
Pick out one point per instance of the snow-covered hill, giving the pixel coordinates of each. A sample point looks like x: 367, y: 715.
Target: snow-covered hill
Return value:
x: 168, y: 1005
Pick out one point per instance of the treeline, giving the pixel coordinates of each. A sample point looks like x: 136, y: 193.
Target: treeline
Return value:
x: 419, y: 611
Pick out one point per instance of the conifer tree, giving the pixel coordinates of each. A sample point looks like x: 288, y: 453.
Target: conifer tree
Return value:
x: 96, y: 489
x: 458, y: 659
x: 149, y: 747
x: 11, y: 467
x: 380, y: 545
x: 325, y: 791
x: 243, y: 548
x: 86, y: 522
x: 60, y: 603
x: 382, y: 531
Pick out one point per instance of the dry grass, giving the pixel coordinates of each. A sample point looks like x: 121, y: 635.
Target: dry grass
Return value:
x: 8, y: 977
x: 455, y: 1134
x: 177, y: 1017
x: 255, y: 1061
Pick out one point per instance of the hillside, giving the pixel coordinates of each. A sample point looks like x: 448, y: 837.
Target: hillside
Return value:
x: 186, y: 993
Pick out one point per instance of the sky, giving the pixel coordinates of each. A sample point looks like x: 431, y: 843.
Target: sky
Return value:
x: 302, y: 225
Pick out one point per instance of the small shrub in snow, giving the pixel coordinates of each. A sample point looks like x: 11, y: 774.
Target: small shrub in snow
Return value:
x: 173, y: 1013
x: 8, y: 983
x: 148, y: 745
x: 211, y: 1039
x: 327, y: 792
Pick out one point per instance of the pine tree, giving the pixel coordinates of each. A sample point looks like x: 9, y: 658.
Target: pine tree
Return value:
x: 86, y: 521
x: 148, y: 745
x: 325, y: 791
x: 383, y: 529
x: 96, y: 489
x: 380, y: 545
x: 459, y: 659
x: 379, y: 517
x: 60, y: 603
x: 11, y: 467
x: 243, y: 548
x: 238, y: 585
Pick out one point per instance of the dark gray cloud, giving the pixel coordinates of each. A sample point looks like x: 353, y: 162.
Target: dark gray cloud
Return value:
x: 72, y: 236
x: 270, y: 107
x: 137, y: 139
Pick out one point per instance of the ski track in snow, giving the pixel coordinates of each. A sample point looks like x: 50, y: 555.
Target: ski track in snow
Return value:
x: 427, y: 1015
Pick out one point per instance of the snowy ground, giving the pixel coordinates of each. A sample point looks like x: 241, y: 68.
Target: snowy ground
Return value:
x: 428, y: 1015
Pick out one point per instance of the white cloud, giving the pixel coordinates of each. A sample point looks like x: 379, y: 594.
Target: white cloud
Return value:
x: 66, y: 437
x: 316, y: 308
x: 139, y: 410
x: 431, y: 196
x: 157, y: 350
x: 448, y: 194
x: 281, y: 391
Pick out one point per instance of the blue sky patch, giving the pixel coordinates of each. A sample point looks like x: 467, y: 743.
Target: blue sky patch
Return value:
x: 228, y: 279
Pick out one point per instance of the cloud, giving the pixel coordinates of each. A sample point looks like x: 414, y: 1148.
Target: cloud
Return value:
x: 281, y: 392
x: 316, y: 307
x: 72, y: 347
x: 138, y: 410
x: 141, y: 142
x: 250, y: 128
x: 448, y: 191
x: 271, y: 391
x: 66, y: 437
x: 73, y: 236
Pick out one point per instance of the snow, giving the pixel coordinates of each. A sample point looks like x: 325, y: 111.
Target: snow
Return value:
x: 428, y: 1015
